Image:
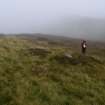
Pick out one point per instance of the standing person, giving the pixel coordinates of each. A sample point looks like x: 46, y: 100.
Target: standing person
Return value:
x: 83, y: 47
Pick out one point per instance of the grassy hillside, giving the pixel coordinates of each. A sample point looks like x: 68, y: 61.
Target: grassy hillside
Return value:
x: 41, y: 73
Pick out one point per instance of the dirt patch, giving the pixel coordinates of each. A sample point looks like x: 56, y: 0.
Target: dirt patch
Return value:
x: 42, y: 52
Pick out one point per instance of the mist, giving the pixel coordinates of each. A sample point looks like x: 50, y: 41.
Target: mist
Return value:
x: 73, y: 18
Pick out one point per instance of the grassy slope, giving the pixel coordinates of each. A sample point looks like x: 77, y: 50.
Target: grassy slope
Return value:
x: 27, y: 79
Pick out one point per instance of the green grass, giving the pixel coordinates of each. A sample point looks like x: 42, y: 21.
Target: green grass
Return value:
x: 35, y: 79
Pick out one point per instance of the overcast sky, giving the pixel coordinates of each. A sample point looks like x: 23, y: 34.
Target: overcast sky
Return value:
x: 32, y: 16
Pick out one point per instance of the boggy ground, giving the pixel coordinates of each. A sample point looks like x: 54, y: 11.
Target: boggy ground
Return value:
x: 39, y: 73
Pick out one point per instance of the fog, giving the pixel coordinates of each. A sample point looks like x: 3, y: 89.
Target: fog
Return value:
x: 73, y: 18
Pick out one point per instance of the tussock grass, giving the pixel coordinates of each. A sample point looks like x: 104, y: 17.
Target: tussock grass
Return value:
x: 31, y: 79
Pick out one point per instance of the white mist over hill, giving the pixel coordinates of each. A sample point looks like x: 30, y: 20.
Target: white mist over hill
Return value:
x: 80, y: 27
x: 74, y: 18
